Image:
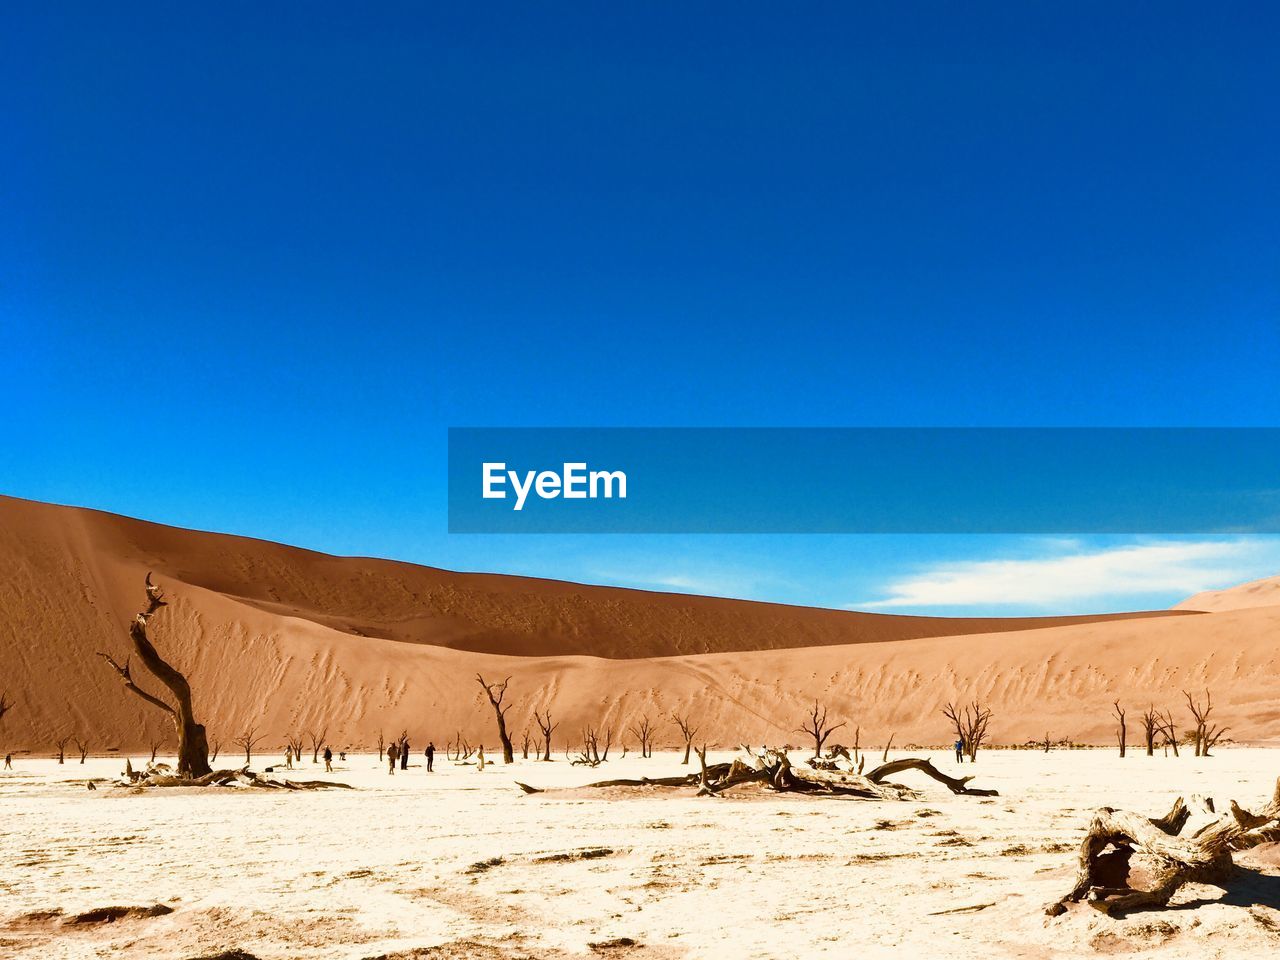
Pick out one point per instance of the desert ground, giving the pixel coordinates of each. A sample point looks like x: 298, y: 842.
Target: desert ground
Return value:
x: 460, y: 863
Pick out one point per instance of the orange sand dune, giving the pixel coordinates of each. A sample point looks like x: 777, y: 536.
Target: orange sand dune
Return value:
x: 286, y: 639
x: 1256, y: 593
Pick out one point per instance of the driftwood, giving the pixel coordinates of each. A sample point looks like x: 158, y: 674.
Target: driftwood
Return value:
x: 1182, y: 847
x: 161, y: 775
x: 773, y: 768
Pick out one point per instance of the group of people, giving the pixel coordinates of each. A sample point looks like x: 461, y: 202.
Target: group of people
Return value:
x: 398, y: 753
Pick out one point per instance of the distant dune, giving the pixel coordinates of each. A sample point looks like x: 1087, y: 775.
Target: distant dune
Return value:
x: 1256, y: 593
x: 287, y: 639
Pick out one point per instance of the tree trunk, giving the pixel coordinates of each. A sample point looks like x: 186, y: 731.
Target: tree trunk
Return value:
x: 193, y: 745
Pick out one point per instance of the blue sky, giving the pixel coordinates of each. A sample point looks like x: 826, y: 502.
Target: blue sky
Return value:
x: 253, y: 263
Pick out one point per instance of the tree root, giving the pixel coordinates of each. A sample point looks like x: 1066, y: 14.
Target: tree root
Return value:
x: 1184, y: 846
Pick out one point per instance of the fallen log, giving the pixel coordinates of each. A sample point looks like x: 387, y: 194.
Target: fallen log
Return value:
x: 159, y: 776
x: 773, y: 768
x: 1181, y: 846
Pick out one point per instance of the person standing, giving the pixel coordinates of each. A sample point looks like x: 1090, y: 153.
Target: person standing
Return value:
x: 393, y: 754
x: 404, y: 753
x: 959, y: 751
x: 288, y: 757
x: 431, y: 755
x: 328, y: 760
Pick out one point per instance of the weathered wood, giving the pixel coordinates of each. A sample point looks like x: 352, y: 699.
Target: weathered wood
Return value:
x: 1183, y: 847
x: 774, y: 769
x: 193, y: 746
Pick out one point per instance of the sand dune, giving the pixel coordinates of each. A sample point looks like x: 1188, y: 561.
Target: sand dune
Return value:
x: 288, y: 639
x: 1256, y: 593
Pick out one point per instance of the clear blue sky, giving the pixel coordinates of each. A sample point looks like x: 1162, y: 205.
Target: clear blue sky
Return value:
x: 253, y: 262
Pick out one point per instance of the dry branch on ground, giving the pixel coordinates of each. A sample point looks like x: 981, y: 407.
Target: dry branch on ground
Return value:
x: 1191, y: 843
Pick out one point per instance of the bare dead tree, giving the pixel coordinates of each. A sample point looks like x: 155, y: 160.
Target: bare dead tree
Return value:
x: 294, y: 743
x: 1150, y: 727
x: 525, y: 742
x: 1200, y: 711
x: 213, y: 753
x: 82, y: 748
x: 590, y: 754
x: 317, y: 738
x: 818, y: 728
x: 156, y: 744
x: 687, y: 730
x: 884, y: 757
x: 543, y: 720
x: 970, y: 724
x: 643, y: 731
x: 5, y: 703
x: 382, y: 745
x: 1121, y: 730
x: 61, y: 743
x: 247, y: 741
x: 608, y: 742
x: 1168, y: 730
x: 496, y: 692
x: 193, y: 746
x: 1211, y: 738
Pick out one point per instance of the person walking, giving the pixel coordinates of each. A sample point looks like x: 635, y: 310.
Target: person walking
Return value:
x: 393, y: 754
x: 431, y: 755
x: 328, y: 760
x: 8, y: 761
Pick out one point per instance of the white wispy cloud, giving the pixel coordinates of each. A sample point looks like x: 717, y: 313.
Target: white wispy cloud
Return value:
x: 1181, y: 568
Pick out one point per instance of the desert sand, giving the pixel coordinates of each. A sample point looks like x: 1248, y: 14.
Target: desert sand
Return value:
x: 460, y: 864
x: 287, y: 640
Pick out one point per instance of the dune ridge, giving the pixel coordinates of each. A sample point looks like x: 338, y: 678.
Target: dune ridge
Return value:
x: 287, y: 639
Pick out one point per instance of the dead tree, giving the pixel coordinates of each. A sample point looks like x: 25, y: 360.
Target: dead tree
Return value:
x: 1168, y: 731
x: 643, y: 731
x: 5, y: 703
x: 247, y: 741
x: 525, y: 741
x: 1189, y: 844
x: 545, y: 725
x: 496, y: 692
x: 382, y: 745
x: 818, y: 728
x: 213, y: 753
x: 1205, y: 735
x: 193, y: 746
x: 295, y: 746
x: 687, y: 730
x: 61, y: 743
x: 1121, y: 730
x: 156, y: 744
x: 772, y: 768
x: 1211, y: 738
x: 970, y: 724
x: 317, y: 742
x: 1150, y: 726
x: 82, y: 748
